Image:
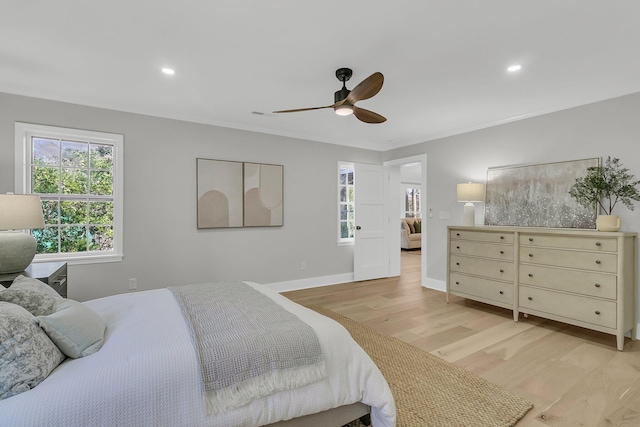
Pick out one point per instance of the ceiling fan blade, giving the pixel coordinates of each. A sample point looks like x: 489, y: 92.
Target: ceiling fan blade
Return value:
x: 308, y: 109
x: 368, y: 116
x: 366, y: 89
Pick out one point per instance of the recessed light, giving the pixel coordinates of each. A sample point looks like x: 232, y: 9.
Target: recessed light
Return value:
x: 169, y: 71
x: 514, y: 68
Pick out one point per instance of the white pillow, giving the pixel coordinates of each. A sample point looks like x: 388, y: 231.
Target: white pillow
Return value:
x: 76, y: 329
x: 27, y: 355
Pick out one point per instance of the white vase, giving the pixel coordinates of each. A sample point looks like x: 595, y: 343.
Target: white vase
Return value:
x: 608, y: 223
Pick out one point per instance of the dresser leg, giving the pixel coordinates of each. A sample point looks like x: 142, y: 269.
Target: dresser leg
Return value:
x: 447, y: 297
x: 620, y: 341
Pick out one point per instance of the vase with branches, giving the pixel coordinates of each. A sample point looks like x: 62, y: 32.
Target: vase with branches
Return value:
x: 605, y: 186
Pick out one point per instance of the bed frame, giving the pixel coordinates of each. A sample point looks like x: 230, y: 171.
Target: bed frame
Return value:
x: 336, y: 417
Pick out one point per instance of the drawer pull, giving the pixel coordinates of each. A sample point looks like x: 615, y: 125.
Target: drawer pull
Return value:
x: 501, y: 271
x: 457, y: 263
x: 530, y: 298
x: 597, y: 312
x: 598, y: 244
x: 457, y: 247
x: 530, y: 275
x: 530, y: 255
x: 598, y: 261
x: 501, y: 293
x: 457, y: 283
x: 501, y: 237
x: 531, y: 239
x: 597, y: 285
x: 501, y: 252
x: 458, y: 234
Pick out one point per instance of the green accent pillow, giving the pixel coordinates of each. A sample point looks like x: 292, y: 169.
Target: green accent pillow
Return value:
x: 418, y: 226
x: 76, y: 329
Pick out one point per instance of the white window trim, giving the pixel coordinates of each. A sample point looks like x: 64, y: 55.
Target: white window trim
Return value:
x: 23, y: 134
x: 415, y: 186
x: 350, y: 241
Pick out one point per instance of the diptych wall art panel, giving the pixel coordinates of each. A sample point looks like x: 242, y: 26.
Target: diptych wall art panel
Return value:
x: 537, y: 195
x: 219, y: 193
x: 262, y: 195
x: 237, y: 194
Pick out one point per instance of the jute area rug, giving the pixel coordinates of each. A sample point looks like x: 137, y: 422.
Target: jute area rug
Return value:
x: 429, y: 391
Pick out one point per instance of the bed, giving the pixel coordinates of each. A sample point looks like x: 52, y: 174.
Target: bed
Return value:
x: 147, y: 373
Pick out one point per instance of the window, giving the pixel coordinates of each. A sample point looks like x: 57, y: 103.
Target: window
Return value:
x: 78, y: 175
x: 346, y: 203
x: 412, y: 202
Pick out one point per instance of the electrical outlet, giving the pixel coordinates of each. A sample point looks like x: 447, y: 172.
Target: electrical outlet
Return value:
x: 133, y: 284
x: 303, y: 265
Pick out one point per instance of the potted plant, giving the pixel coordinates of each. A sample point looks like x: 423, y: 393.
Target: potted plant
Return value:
x: 605, y: 186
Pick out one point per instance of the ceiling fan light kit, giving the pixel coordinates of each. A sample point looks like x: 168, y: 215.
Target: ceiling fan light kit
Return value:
x: 343, y: 110
x: 345, y: 99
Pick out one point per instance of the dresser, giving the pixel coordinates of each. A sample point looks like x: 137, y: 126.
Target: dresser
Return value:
x: 581, y: 277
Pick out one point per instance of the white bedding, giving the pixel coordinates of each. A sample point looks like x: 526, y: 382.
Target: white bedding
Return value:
x: 147, y: 373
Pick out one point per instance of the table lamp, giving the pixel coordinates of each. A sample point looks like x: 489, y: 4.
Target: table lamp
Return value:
x: 468, y: 193
x: 18, y: 212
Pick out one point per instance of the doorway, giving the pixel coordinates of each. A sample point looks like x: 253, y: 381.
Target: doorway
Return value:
x: 410, y: 174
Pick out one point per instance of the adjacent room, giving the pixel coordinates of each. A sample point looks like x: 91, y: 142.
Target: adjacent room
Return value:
x: 366, y: 213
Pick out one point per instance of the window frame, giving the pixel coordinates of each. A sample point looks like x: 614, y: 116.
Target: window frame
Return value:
x: 416, y: 188
x: 23, y: 183
x: 345, y: 241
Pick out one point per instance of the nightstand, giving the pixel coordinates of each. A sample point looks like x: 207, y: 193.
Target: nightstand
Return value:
x: 53, y: 274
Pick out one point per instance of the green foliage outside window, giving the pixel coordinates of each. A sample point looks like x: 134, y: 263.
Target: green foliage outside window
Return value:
x: 75, y: 182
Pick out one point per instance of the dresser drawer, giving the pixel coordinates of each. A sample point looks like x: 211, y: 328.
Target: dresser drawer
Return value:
x: 593, y: 261
x: 493, y: 269
x: 483, y: 236
x: 582, y: 282
x: 489, y: 250
x: 482, y: 288
x: 606, y: 244
x: 584, y: 309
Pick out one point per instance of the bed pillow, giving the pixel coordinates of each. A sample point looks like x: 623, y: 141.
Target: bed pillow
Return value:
x: 27, y: 355
x: 76, y: 329
x: 37, y: 297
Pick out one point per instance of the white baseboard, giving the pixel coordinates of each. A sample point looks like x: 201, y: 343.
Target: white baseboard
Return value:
x: 438, y: 285
x: 313, y: 282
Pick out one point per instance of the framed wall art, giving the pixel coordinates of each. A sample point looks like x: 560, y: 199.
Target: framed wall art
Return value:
x: 238, y: 194
x: 537, y: 195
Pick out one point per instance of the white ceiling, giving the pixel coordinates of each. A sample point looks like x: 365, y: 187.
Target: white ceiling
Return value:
x: 444, y: 61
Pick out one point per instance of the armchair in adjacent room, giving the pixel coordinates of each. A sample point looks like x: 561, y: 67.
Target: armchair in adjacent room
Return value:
x: 411, y: 233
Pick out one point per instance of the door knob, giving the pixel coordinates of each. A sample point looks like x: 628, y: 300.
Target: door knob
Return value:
x: 358, y: 227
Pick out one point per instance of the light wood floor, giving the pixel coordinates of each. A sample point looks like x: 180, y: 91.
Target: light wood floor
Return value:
x: 573, y: 376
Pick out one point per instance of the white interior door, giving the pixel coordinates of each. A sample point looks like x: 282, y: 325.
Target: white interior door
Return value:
x: 371, y: 251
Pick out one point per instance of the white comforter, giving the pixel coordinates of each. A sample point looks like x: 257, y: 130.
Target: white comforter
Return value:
x: 147, y: 374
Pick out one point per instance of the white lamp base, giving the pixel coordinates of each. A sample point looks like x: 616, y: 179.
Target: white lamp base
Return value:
x: 469, y: 216
x: 17, y: 250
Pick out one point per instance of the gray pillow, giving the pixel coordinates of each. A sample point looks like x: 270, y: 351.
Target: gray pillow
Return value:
x: 27, y: 355
x: 76, y: 329
x: 37, y: 297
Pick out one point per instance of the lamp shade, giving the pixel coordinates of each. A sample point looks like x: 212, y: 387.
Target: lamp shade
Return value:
x: 470, y: 192
x: 20, y: 211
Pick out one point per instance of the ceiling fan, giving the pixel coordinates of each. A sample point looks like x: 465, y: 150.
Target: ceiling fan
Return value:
x: 345, y: 99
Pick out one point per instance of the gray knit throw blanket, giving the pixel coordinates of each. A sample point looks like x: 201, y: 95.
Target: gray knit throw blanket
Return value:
x: 248, y: 345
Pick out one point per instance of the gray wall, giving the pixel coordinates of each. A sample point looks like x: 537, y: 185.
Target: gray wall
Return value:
x: 606, y: 128
x: 161, y: 243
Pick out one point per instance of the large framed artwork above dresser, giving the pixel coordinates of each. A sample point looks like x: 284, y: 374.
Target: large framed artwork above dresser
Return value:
x: 585, y: 278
